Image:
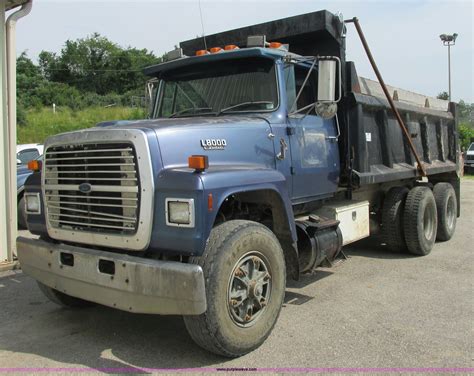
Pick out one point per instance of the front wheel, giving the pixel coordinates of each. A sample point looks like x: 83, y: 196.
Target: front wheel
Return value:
x: 63, y: 300
x: 244, y: 272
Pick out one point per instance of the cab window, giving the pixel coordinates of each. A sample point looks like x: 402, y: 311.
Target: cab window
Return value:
x: 295, y: 76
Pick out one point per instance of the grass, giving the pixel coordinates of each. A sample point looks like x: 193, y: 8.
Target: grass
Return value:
x: 42, y: 123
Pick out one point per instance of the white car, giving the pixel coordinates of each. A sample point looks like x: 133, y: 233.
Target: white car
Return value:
x: 469, y: 160
x: 28, y: 152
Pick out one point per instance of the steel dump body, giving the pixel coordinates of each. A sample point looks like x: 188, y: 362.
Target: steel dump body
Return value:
x: 380, y: 153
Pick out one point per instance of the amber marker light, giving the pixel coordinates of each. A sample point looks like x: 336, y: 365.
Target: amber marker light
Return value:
x: 275, y: 45
x: 34, y: 165
x: 198, y: 162
x: 210, y: 202
x: 201, y: 52
x: 231, y: 47
x: 215, y: 50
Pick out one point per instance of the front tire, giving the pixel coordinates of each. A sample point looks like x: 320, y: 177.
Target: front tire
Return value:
x: 21, y: 214
x: 62, y: 299
x: 245, y: 278
x: 420, y: 221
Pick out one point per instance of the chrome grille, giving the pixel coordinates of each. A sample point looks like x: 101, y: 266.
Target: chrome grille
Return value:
x: 470, y: 158
x: 109, y: 170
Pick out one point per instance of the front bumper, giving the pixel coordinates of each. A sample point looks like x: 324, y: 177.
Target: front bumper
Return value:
x: 136, y: 285
x: 469, y: 163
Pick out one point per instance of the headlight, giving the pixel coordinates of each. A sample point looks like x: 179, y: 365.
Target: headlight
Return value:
x: 180, y: 212
x: 32, y: 203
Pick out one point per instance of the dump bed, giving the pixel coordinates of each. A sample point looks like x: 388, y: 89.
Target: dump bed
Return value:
x: 375, y: 142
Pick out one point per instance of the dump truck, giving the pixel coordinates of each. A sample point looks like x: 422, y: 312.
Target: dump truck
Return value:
x: 264, y: 154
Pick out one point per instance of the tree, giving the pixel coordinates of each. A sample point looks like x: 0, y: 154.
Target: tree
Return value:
x: 95, y: 64
x: 443, y: 95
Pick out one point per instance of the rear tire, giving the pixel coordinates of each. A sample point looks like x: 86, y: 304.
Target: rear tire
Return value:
x: 420, y: 221
x: 238, y: 319
x: 392, y: 219
x: 446, y: 205
x: 62, y: 299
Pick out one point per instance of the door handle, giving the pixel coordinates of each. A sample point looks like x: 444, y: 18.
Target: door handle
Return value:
x: 283, y: 148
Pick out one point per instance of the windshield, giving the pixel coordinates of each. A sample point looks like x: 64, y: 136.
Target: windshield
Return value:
x: 214, y: 88
x: 471, y: 148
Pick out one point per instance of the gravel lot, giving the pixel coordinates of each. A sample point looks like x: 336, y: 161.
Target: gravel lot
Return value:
x: 378, y: 309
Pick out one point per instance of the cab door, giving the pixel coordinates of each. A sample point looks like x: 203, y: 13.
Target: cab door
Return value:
x: 313, y: 140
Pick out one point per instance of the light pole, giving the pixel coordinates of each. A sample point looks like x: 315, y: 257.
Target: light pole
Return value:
x: 449, y: 40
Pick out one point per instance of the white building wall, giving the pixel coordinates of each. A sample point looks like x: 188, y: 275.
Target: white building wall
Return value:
x: 5, y: 253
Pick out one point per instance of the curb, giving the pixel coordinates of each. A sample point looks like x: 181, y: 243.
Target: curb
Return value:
x: 9, y: 266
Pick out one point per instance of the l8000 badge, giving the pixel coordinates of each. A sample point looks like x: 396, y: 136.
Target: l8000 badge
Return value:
x: 214, y: 144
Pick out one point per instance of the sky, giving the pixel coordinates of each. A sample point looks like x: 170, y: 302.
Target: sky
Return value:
x: 403, y: 35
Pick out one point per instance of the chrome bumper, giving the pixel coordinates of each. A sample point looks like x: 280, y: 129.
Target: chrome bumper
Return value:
x: 136, y: 285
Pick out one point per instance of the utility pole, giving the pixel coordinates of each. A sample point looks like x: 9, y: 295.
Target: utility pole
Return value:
x: 449, y: 40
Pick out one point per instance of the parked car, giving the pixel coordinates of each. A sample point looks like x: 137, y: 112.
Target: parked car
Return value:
x: 22, y: 173
x: 469, y: 159
x: 28, y: 152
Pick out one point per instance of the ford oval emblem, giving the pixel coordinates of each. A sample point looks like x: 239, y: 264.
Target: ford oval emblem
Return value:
x: 85, y: 188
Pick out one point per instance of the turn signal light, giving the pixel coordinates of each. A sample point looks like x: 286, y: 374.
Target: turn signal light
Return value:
x: 275, y: 45
x: 231, y: 47
x: 201, y: 52
x: 34, y: 165
x: 210, y: 202
x: 215, y: 50
x: 198, y: 162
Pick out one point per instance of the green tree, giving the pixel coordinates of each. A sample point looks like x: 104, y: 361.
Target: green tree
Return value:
x: 95, y: 64
x: 443, y: 95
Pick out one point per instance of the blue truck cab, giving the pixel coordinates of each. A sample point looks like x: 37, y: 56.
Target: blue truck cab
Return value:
x: 259, y: 161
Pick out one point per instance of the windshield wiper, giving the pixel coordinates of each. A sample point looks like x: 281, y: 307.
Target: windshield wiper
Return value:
x: 189, y: 109
x: 242, y: 104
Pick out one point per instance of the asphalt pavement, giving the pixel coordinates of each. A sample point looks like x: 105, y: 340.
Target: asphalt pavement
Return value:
x: 377, y: 309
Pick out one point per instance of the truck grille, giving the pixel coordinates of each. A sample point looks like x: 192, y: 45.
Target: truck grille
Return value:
x: 470, y: 157
x: 92, y: 187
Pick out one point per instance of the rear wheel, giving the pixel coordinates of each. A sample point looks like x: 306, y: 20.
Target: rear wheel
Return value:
x: 392, y: 218
x: 62, y: 299
x: 446, y: 205
x: 244, y: 271
x: 420, y: 221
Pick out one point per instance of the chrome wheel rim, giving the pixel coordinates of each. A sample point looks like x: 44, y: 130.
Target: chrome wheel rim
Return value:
x: 428, y: 222
x: 249, y: 289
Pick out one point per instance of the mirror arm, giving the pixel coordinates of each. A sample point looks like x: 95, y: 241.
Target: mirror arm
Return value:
x: 302, y: 86
x: 336, y: 137
x: 302, y: 109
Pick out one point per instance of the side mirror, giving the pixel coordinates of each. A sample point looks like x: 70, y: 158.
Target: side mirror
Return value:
x: 326, y: 81
x: 329, y: 86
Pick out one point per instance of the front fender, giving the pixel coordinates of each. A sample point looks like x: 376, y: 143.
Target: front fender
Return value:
x: 224, y: 183
x: 221, y: 182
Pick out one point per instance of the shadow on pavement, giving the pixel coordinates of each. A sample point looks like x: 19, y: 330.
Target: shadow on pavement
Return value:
x: 33, y: 325
x: 373, y: 247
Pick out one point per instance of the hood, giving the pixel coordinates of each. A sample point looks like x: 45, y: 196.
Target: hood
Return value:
x: 22, y: 170
x: 227, y: 140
